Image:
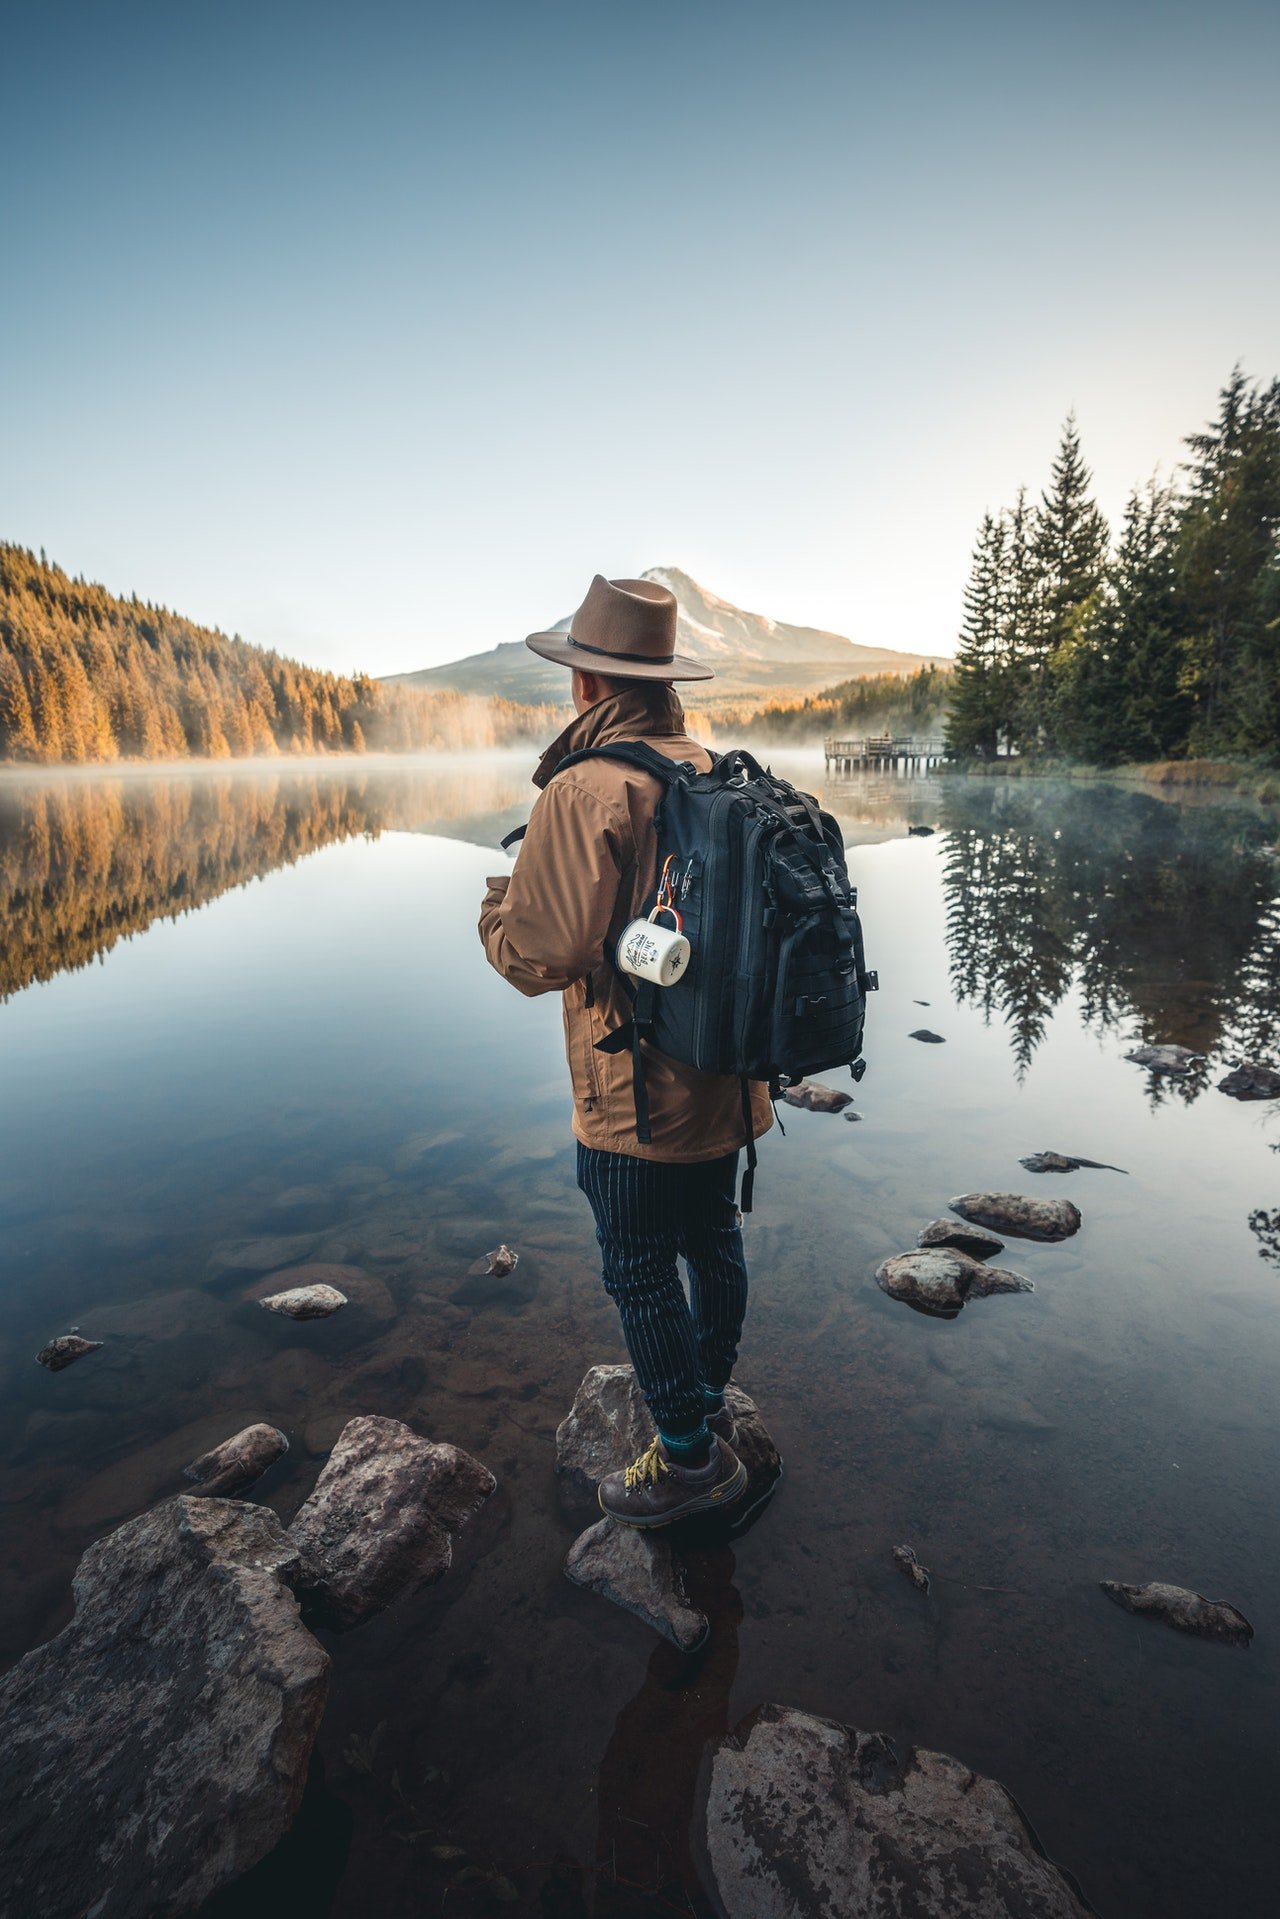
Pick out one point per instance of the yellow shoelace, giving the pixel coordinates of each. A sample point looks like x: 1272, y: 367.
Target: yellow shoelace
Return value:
x: 650, y: 1466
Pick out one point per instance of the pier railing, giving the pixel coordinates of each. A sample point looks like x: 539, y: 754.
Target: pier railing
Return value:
x: 881, y: 752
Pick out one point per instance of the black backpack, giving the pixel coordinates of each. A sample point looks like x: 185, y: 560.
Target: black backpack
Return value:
x: 777, y: 982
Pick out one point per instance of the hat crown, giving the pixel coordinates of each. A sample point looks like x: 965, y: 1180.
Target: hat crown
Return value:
x: 627, y: 619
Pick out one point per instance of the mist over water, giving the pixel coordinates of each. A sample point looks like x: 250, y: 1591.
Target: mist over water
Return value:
x: 221, y: 988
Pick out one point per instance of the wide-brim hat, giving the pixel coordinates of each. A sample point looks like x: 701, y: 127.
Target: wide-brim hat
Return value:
x: 625, y: 629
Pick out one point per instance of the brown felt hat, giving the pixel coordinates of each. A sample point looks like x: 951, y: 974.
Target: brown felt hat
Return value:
x: 625, y: 629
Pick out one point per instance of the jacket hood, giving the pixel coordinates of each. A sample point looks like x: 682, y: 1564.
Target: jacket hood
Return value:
x: 639, y: 712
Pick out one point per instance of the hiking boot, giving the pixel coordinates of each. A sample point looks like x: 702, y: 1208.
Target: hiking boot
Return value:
x: 724, y: 1425
x: 654, y: 1490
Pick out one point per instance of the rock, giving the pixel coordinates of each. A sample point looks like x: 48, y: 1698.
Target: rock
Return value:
x: 966, y: 1239
x: 1251, y: 1080
x: 1015, y: 1213
x: 939, y: 1280
x: 304, y: 1206
x: 306, y: 1302
x: 1187, y: 1611
x: 238, y: 1461
x: 920, y: 832
x: 261, y: 1255
x: 606, y: 1428
x: 65, y: 1350
x: 366, y: 1291
x: 381, y: 1517
x: 930, y: 1039
x: 852, y: 1115
x: 638, y: 1571
x: 815, y: 1097
x: 906, y: 1562
x: 501, y: 1261
x: 1165, y: 1059
x: 158, y: 1747
x: 807, y: 1819
x: 1064, y: 1163
x: 921, y: 1002
x: 609, y: 1426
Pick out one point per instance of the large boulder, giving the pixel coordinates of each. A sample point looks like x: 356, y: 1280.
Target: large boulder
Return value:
x: 158, y: 1747
x: 382, y: 1516
x: 609, y: 1425
x: 638, y: 1571
x: 1019, y: 1215
x: 940, y: 1280
x: 807, y: 1819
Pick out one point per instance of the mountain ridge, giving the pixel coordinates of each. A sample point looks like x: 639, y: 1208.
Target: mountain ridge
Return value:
x: 756, y: 658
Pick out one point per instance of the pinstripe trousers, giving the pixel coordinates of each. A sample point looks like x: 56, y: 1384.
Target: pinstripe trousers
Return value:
x: 648, y: 1212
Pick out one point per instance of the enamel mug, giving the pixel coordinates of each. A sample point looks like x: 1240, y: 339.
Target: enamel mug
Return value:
x: 649, y: 950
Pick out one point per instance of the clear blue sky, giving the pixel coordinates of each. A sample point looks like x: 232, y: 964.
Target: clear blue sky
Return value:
x: 372, y: 332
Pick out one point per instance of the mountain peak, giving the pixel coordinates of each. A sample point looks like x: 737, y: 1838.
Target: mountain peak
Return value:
x: 755, y: 658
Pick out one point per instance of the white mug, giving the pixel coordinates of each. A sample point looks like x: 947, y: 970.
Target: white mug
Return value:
x: 654, y: 952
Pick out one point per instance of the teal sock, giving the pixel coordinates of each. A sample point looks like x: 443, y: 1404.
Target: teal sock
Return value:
x: 684, y: 1446
x: 713, y: 1401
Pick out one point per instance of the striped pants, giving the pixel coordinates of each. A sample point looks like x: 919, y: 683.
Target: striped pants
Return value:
x: 647, y: 1212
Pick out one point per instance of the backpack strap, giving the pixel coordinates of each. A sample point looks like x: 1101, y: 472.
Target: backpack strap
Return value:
x: 749, y: 1177
x: 637, y: 753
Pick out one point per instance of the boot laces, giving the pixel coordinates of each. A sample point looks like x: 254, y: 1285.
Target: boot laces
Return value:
x: 649, y: 1468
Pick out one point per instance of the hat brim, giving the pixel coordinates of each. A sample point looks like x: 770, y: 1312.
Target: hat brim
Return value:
x: 559, y: 648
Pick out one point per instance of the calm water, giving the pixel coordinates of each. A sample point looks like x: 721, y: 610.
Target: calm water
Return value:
x: 223, y: 988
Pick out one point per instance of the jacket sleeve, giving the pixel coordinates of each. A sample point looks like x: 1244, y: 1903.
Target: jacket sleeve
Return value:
x: 546, y: 925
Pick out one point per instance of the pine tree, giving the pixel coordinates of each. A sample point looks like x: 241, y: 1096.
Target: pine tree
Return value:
x: 1227, y: 550
x: 973, y: 720
x: 1070, y: 548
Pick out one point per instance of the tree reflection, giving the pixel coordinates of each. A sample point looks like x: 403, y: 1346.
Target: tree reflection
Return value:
x: 1164, y: 920
x: 85, y: 863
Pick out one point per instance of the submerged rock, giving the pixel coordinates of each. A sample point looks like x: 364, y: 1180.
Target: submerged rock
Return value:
x: 1165, y: 1059
x: 966, y: 1239
x: 306, y: 1302
x: 930, y: 1039
x: 381, y: 1517
x: 260, y: 1255
x: 238, y: 1461
x: 905, y: 1560
x: 1016, y: 1213
x: 368, y: 1292
x: 501, y: 1261
x: 609, y: 1425
x: 1064, y: 1163
x: 1185, y: 1610
x: 638, y: 1571
x: 808, y: 1819
x: 1251, y: 1080
x: 814, y: 1097
x: 65, y: 1350
x: 940, y: 1279
x: 158, y: 1747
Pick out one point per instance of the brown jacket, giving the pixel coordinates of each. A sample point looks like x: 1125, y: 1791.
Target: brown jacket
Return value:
x: 587, y: 865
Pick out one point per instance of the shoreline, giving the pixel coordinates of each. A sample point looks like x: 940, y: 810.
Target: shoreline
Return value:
x: 1166, y: 779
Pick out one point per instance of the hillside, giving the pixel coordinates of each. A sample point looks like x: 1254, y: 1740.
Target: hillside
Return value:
x: 88, y: 676
x: 757, y: 659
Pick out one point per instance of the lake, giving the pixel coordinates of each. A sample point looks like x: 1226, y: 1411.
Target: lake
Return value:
x: 253, y: 1002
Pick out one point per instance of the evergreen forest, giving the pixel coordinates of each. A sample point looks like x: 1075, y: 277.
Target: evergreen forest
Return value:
x: 87, y: 676
x: 1161, y: 643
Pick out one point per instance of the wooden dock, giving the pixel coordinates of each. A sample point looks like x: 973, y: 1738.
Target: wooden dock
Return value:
x: 882, y: 754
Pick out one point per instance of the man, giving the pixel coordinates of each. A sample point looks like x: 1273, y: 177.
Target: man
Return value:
x: 587, y: 866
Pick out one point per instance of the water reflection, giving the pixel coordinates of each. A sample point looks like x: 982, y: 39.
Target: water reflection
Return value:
x: 1166, y: 922
x: 85, y: 863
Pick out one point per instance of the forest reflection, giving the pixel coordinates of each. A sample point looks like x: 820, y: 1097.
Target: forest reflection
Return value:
x: 87, y: 862
x: 1166, y: 919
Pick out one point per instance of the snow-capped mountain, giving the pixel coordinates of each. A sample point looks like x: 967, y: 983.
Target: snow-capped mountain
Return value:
x: 755, y: 658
